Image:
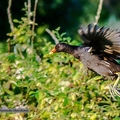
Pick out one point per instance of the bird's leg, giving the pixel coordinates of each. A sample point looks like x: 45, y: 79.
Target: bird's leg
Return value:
x: 113, y: 89
x: 117, y: 81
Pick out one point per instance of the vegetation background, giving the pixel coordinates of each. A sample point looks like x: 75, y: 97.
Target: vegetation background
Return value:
x: 52, y: 87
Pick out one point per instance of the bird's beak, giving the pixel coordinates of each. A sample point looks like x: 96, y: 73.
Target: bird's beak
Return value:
x: 52, y: 51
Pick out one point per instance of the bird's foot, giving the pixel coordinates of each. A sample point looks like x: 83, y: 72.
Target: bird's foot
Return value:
x: 114, y: 91
x: 113, y: 88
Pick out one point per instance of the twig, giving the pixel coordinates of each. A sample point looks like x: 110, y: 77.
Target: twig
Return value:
x: 98, y: 12
x: 33, y: 26
x: 29, y: 10
x: 9, y: 15
x: 52, y: 35
x: 9, y: 45
x: 10, y: 22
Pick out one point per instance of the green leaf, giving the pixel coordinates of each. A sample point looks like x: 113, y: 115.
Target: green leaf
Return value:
x: 16, y: 21
x: 57, y: 29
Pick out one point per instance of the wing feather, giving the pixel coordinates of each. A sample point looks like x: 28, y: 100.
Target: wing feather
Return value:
x: 101, y: 39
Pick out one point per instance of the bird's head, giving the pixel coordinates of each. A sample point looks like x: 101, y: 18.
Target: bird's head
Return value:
x: 60, y: 47
x: 66, y: 48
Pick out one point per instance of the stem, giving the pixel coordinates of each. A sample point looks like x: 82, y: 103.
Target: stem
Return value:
x: 29, y: 10
x: 33, y: 26
x: 10, y: 22
x: 98, y: 12
x: 9, y: 15
x: 52, y: 35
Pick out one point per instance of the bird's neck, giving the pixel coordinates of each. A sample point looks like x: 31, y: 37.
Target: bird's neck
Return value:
x: 76, y: 51
x: 70, y: 49
x: 73, y: 50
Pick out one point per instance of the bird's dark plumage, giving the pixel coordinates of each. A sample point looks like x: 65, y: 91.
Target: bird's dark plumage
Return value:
x: 103, y: 40
x: 100, y: 49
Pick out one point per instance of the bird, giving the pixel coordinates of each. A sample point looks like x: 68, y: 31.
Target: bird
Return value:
x: 99, y: 52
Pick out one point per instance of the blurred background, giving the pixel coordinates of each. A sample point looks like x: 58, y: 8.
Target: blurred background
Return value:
x: 68, y: 14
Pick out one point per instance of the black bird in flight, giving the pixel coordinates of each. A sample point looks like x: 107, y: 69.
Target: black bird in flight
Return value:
x: 99, y: 52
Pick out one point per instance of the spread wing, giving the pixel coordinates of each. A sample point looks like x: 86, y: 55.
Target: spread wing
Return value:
x: 102, y: 40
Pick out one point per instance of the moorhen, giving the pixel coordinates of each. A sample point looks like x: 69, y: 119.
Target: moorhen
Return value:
x: 99, y: 52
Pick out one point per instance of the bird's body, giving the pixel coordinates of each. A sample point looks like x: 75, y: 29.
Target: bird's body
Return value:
x: 99, y: 51
x: 97, y: 64
x: 102, y: 65
x: 89, y: 60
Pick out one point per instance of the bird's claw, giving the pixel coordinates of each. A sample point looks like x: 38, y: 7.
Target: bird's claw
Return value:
x: 114, y: 91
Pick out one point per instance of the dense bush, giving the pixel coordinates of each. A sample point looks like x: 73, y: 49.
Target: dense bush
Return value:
x: 53, y: 87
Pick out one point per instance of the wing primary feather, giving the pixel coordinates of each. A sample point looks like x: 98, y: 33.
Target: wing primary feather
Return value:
x: 102, y: 40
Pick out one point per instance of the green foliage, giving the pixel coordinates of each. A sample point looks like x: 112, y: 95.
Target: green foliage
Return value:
x: 57, y: 87
x: 3, y: 47
x: 22, y: 32
x: 63, y: 38
x: 21, y: 36
x: 53, y: 87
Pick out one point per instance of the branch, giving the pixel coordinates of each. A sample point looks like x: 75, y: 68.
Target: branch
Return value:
x: 33, y: 26
x: 29, y: 10
x: 9, y: 15
x: 98, y: 12
x: 10, y: 22
x: 52, y: 35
